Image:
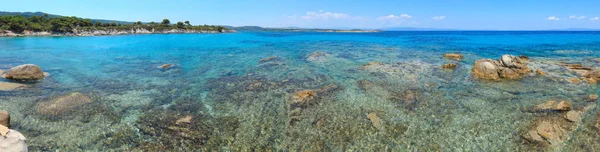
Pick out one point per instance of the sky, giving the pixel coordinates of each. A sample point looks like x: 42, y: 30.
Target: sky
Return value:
x: 365, y: 14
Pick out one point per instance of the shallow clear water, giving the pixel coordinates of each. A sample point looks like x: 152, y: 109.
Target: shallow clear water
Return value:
x: 238, y: 103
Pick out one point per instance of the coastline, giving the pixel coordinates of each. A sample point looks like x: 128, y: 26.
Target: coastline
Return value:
x: 108, y: 32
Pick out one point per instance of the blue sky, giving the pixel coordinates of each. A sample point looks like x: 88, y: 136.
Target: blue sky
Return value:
x: 446, y: 14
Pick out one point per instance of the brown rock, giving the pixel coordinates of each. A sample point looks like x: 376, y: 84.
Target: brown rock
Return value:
x: 551, y: 131
x: 371, y: 65
x: 3, y: 131
x: 1, y: 72
x: 61, y: 104
x: 166, y: 66
x: 592, y: 76
x: 563, y: 106
x: 534, y: 137
x: 4, y: 118
x: 449, y: 66
x: 575, y: 80
x: 184, y: 120
x: 573, y: 116
x: 486, y: 69
x: 546, y: 106
x: 593, y: 97
x: 375, y: 121
x: 25, y: 72
x: 8, y: 86
x: 540, y: 72
x: 453, y: 56
x: 303, y: 98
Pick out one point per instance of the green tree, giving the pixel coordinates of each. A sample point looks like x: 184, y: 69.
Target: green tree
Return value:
x: 113, y: 24
x: 180, y: 25
x: 188, y: 23
x: 139, y: 22
x: 166, y: 22
x: 98, y: 24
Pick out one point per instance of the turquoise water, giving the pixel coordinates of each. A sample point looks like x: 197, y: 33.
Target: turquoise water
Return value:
x: 237, y: 103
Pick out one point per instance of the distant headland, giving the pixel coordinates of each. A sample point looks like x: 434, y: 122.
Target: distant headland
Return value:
x: 42, y: 24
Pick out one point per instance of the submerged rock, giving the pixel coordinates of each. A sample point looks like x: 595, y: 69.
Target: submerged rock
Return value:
x: 8, y: 86
x: 316, y: 56
x: 61, y: 104
x: 24, y: 72
x: 592, y: 76
x: 13, y: 141
x: 453, y: 56
x: 449, y: 66
x: 508, y: 67
x: 305, y: 98
x: 553, y: 105
x: 540, y: 72
x: 268, y: 59
x: 375, y: 120
x: 4, y: 118
x: 166, y: 66
x: 592, y: 97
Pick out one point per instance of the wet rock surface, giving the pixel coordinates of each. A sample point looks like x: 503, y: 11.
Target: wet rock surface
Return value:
x: 4, y: 118
x: 24, y: 72
x: 8, y: 86
x: 13, y: 141
x: 508, y: 67
x: 454, y: 56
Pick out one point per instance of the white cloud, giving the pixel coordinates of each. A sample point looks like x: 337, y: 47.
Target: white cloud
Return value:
x: 405, y: 16
x: 553, y: 18
x: 577, y: 17
x: 594, y: 18
x: 311, y: 15
x: 437, y: 18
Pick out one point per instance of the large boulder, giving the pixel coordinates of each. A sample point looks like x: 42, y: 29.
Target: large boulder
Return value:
x: 24, y: 72
x: 61, y: 104
x: 4, y: 118
x: 13, y: 142
x: 508, y: 67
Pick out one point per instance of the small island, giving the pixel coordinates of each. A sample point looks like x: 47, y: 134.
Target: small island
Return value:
x: 46, y: 25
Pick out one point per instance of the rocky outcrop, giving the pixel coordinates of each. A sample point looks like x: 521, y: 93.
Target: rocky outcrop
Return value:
x: 61, y: 104
x: 449, y: 66
x: 508, y: 67
x: 4, y: 118
x: 317, y: 57
x: 9, y: 86
x: 13, y: 141
x: 24, y: 72
x: 453, y: 56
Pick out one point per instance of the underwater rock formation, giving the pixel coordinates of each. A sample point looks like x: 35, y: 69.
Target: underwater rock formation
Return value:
x: 24, y: 72
x: 375, y: 120
x: 508, y: 67
x: 4, y: 118
x: 268, y: 59
x: 305, y: 98
x: 316, y: 56
x: 13, y: 141
x: 61, y: 104
x: 449, y: 66
x: 592, y: 76
x: 453, y: 56
x: 166, y: 66
x: 8, y: 86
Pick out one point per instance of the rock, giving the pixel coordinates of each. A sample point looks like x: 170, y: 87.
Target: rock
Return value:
x: 546, y: 106
x: 1, y: 72
x: 3, y: 130
x: 25, y: 72
x: 592, y: 76
x: 61, y: 104
x: 534, y: 137
x: 551, y: 131
x: 563, y: 106
x: 166, y: 66
x: 375, y: 121
x: 453, y: 56
x: 577, y: 68
x: 573, y: 116
x: 13, y: 142
x: 508, y: 67
x: 592, y: 97
x: 449, y: 66
x: 371, y: 65
x: 8, y: 86
x: 268, y: 59
x: 523, y: 58
x: 184, y: 120
x: 486, y: 69
x: 4, y: 118
x: 316, y: 56
x: 575, y: 80
x: 540, y: 72
x: 303, y: 98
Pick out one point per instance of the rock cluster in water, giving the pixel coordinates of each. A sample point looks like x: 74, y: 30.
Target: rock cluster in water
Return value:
x: 10, y: 140
x: 61, y: 104
x: 507, y: 67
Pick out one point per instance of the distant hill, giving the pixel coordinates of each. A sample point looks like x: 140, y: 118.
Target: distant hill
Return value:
x: 30, y: 14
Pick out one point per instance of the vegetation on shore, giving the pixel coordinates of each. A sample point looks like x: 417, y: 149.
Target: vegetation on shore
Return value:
x: 63, y: 24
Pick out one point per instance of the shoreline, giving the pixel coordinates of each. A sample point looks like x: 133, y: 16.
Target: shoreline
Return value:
x: 7, y: 33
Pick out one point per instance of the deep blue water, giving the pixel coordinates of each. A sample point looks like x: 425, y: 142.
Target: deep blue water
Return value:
x: 238, y: 103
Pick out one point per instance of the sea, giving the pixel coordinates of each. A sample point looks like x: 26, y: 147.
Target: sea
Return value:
x: 302, y: 91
